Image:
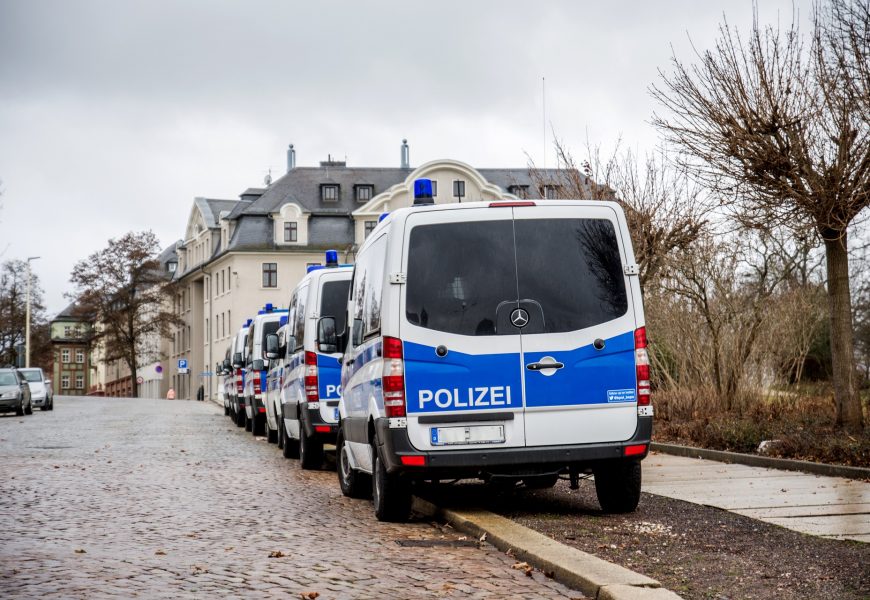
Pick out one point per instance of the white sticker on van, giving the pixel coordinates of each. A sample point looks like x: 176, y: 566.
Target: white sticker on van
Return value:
x: 621, y: 395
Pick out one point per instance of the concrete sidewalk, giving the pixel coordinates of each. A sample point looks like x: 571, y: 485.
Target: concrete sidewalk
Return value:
x: 830, y: 507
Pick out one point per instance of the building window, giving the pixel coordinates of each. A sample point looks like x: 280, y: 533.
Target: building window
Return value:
x: 67, y: 331
x: 172, y: 266
x: 551, y: 192
x: 459, y: 189
x: 370, y: 226
x: 364, y: 193
x: 270, y: 275
x: 329, y: 193
x: 229, y: 321
x: 64, y: 355
x: 520, y: 191
x: 434, y: 188
x: 291, y: 232
x: 80, y: 382
x: 207, y: 332
x: 80, y: 356
x: 64, y: 382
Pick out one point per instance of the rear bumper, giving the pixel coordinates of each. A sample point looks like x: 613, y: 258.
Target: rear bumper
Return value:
x: 393, y: 444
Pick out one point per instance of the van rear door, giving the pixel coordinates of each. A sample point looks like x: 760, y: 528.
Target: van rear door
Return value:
x: 578, y: 342
x: 463, y: 369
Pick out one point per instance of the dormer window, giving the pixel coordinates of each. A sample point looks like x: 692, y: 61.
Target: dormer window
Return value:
x: 550, y: 192
x: 520, y: 191
x: 171, y: 266
x: 364, y: 193
x: 329, y: 193
x: 459, y: 189
x: 291, y: 231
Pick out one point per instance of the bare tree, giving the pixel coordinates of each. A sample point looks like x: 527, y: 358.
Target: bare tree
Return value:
x: 785, y: 131
x: 13, y: 286
x: 124, y: 289
x: 665, y: 210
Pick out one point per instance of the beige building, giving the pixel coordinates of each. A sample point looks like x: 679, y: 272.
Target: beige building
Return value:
x: 238, y: 255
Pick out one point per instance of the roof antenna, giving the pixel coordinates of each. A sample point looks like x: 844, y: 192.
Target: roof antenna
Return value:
x: 544, y: 115
x: 268, y: 178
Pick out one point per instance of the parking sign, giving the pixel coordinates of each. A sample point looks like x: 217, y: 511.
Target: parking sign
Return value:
x: 182, y: 363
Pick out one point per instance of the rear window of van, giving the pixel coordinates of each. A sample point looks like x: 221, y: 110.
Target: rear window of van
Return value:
x: 466, y: 278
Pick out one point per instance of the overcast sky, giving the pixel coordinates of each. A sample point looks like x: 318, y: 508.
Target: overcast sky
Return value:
x: 115, y: 114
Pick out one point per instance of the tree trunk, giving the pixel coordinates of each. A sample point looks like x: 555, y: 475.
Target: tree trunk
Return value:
x: 848, y: 403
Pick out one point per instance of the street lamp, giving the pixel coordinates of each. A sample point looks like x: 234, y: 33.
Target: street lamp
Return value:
x: 27, y: 318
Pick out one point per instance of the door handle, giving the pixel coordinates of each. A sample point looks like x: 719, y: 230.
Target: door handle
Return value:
x: 540, y: 366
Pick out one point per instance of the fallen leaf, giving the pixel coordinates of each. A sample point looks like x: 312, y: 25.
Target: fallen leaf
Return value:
x: 309, y: 595
x: 276, y: 554
x: 160, y: 553
x: 520, y: 565
x: 80, y: 551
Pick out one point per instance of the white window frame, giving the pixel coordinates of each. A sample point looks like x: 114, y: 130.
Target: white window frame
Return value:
x: 64, y: 382
x: 80, y: 356
x: 65, y: 356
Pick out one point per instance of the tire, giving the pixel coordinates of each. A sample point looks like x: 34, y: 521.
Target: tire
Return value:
x: 391, y: 494
x: 541, y: 482
x: 44, y: 408
x: 290, y: 447
x: 353, y: 484
x: 20, y: 410
x: 249, y: 423
x: 618, y: 486
x: 239, y: 418
x: 226, y: 410
x: 271, y: 434
x: 258, y: 425
x: 51, y: 404
x: 310, y: 451
x: 29, y: 409
x: 280, y: 433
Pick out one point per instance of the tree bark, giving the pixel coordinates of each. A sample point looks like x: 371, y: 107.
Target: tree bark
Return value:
x: 848, y: 403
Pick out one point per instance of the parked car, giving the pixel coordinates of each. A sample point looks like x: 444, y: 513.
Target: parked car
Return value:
x: 263, y: 324
x: 311, y: 386
x: 496, y: 340
x: 49, y: 388
x: 14, y: 393
x: 40, y: 393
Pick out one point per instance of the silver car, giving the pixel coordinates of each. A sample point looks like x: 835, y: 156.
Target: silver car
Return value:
x: 14, y: 393
x: 39, y: 389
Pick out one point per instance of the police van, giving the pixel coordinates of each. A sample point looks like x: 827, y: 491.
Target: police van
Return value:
x: 312, y: 370
x: 274, y: 379
x: 238, y: 347
x: 503, y: 341
x: 265, y: 323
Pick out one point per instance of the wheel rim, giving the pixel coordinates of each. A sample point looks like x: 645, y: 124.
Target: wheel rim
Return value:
x: 344, y: 464
x: 378, y: 487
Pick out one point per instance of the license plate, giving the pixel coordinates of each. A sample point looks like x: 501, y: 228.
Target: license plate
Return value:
x: 477, y: 434
x: 335, y: 414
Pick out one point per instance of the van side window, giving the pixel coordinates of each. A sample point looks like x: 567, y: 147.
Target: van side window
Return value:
x: 368, y: 280
x: 299, y: 320
x: 291, y: 320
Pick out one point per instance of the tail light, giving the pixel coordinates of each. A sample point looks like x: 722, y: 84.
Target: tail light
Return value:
x: 641, y: 361
x: 311, y: 393
x: 240, y: 382
x: 258, y: 382
x: 393, y: 377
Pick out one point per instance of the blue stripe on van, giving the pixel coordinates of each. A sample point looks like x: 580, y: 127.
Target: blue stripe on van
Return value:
x: 589, y: 376
x: 460, y: 382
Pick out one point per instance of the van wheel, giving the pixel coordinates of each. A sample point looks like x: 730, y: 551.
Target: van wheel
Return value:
x: 226, y: 410
x: 391, y: 494
x: 258, y: 425
x: 290, y: 448
x: 271, y: 434
x: 239, y: 418
x: 354, y: 484
x: 618, y: 486
x: 249, y: 423
x: 310, y: 451
x: 280, y: 433
x: 541, y: 482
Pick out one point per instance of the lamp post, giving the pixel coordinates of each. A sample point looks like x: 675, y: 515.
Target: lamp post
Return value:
x: 27, y: 317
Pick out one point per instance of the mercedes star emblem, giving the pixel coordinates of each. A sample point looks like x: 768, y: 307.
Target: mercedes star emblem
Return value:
x: 520, y: 318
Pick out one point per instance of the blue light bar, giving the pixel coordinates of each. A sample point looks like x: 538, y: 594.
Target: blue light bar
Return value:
x: 332, y: 258
x: 383, y: 216
x: 423, y: 191
x: 282, y: 321
x: 268, y: 307
x: 248, y: 322
x: 313, y: 268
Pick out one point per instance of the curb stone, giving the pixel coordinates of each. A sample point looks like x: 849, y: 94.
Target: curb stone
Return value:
x: 753, y: 460
x: 595, y: 577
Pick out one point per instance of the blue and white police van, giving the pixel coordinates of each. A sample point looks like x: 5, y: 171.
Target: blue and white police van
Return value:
x: 503, y: 341
x: 264, y: 323
x: 238, y: 348
x: 275, y: 362
x: 312, y: 370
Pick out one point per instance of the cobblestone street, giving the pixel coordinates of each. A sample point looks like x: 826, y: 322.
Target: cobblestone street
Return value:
x: 165, y: 499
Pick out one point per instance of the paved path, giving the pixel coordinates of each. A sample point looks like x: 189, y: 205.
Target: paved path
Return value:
x: 128, y: 498
x: 825, y: 506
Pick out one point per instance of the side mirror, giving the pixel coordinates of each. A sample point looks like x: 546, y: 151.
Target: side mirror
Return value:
x: 271, y: 346
x: 357, y: 332
x: 237, y: 360
x: 258, y: 365
x: 327, y: 340
x: 291, y: 343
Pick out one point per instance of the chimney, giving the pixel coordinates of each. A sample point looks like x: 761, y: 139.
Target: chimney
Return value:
x: 291, y: 158
x: 406, y: 155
